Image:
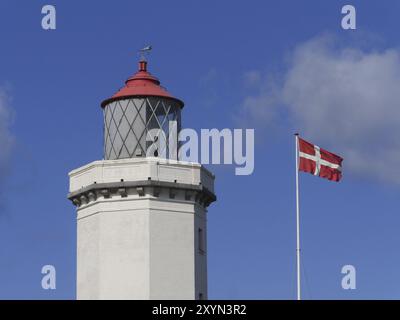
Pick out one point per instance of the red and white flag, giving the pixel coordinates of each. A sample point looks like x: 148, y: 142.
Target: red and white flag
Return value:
x: 319, y: 162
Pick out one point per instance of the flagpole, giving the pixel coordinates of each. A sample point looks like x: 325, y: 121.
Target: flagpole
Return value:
x: 297, y: 218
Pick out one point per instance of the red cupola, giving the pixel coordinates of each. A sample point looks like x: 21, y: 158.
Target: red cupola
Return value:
x: 141, y: 84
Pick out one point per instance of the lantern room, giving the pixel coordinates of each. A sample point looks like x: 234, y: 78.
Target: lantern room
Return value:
x: 138, y: 118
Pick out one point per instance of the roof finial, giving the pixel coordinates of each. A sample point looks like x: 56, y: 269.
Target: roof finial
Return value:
x: 144, y: 52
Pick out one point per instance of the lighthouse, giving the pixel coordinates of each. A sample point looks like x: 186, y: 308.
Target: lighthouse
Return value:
x: 141, y: 212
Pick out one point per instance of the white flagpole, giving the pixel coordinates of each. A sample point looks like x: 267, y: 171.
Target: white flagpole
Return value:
x: 297, y: 218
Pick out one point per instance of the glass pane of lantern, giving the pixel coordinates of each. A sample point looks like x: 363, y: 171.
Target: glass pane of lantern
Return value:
x: 131, y: 143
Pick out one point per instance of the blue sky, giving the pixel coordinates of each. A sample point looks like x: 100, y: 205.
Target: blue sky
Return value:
x: 234, y: 64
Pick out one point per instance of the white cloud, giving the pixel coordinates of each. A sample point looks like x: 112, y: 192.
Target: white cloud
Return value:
x: 207, y: 85
x: 261, y: 108
x: 6, y: 138
x: 252, y: 78
x: 345, y: 99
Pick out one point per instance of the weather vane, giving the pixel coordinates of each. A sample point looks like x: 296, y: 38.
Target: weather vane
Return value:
x: 144, y: 52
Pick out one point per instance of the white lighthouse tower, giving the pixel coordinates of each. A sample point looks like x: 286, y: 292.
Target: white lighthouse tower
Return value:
x: 141, y: 218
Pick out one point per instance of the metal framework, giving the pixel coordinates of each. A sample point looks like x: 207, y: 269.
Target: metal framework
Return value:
x: 127, y: 123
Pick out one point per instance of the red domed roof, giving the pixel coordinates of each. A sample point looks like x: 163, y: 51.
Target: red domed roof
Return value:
x: 143, y: 84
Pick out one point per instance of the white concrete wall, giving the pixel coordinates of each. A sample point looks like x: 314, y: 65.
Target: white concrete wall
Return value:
x: 113, y: 254
x: 140, y: 247
x: 172, y: 260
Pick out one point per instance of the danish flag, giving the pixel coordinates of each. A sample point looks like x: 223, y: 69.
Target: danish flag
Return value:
x: 319, y: 162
